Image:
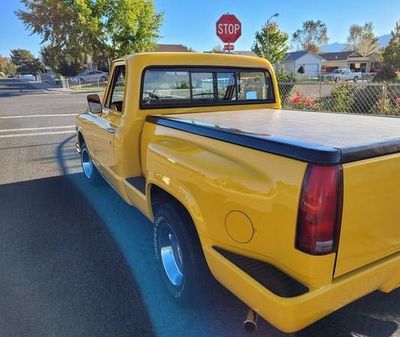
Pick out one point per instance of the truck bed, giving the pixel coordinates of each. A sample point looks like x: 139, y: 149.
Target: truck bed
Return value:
x: 318, y: 137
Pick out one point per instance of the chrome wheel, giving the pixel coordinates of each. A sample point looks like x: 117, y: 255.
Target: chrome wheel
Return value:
x: 87, y: 164
x: 171, y: 255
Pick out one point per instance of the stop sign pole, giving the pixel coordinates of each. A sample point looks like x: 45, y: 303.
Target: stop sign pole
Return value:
x: 228, y: 29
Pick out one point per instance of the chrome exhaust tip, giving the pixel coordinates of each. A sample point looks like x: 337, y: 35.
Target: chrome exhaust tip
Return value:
x: 250, y: 323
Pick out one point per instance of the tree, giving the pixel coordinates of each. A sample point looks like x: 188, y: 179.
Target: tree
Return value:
x: 271, y: 43
x: 66, y: 62
x: 312, y: 35
x: 6, y: 66
x: 362, y: 39
x: 391, y: 54
x: 25, y: 62
x: 101, y: 29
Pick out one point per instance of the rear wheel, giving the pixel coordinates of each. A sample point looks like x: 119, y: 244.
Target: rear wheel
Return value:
x: 89, y: 170
x: 355, y: 79
x: 178, y: 252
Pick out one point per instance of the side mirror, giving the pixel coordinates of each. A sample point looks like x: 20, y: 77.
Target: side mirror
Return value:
x: 94, y: 103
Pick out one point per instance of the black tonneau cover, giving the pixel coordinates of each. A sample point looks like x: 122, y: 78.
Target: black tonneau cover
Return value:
x: 316, y: 137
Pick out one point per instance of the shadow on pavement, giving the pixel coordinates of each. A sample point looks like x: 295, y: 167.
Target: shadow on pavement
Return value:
x: 62, y: 273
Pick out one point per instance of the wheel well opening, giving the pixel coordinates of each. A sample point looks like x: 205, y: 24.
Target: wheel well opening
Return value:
x: 80, y: 139
x: 159, y: 196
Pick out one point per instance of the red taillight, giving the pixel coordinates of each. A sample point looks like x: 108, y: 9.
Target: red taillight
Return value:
x: 320, y: 209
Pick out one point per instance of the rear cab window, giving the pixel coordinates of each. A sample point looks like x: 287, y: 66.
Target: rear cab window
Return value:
x: 181, y: 87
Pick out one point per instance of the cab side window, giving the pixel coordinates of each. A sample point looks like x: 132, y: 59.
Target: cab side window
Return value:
x: 116, y: 98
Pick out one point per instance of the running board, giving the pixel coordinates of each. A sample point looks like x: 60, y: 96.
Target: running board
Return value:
x: 138, y: 183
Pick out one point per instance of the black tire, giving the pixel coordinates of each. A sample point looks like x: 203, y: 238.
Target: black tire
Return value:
x: 337, y: 79
x: 81, y: 81
x: 355, y: 79
x: 172, y: 218
x: 103, y: 79
x: 88, y: 167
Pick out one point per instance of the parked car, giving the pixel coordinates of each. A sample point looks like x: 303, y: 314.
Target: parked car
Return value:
x: 344, y: 75
x: 91, y: 76
x: 296, y: 213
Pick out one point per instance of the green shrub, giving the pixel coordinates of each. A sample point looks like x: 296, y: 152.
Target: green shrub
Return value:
x: 342, y: 98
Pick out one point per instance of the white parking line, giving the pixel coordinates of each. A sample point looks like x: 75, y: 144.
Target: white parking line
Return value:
x: 39, y: 128
x: 35, y: 116
x: 38, y: 134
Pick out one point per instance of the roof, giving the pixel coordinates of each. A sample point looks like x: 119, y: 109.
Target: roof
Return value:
x: 142, y: 60
x: 171, y: 48
x: 341, y: 56
x: 293, y: 56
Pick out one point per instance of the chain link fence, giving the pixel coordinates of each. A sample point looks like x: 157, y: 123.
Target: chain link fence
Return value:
x: 360, y: 97
x: 58, y: 81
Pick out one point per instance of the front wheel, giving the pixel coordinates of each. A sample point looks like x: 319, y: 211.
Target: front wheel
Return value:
x: 89, y: 169
x: 178, y: 252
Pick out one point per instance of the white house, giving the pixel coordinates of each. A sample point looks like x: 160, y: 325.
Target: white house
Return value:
x: 303, y: 63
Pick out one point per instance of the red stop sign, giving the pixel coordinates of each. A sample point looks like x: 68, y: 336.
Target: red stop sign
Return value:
x: 229, y: 28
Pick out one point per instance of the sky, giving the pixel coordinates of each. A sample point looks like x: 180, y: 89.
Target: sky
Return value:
x: 192, y: 23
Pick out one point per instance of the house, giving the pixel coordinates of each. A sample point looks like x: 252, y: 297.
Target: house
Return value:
x: 350, y: 60
x: 303, y: 63
x: 171, y: 48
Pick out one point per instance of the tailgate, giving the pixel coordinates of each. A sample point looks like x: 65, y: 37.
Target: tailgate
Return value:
x: 370, y: 227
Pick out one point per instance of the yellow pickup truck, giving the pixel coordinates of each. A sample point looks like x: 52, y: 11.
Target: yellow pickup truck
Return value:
x: 296, y: 213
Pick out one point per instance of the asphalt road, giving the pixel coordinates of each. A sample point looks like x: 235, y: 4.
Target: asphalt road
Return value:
x: 77, y: 261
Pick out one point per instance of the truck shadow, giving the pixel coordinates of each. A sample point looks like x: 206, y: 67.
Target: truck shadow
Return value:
x: 62, y: 272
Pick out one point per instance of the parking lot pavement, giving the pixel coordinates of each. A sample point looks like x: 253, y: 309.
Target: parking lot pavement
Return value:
x: 77, y: 261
